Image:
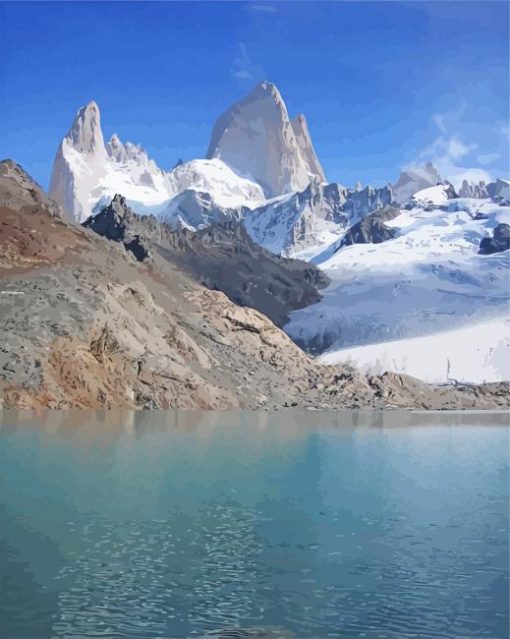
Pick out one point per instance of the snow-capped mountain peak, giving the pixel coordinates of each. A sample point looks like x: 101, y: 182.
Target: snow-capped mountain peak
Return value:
x: 85, y: 135
x: 87, y: 173
x: 414, y: 179
x: 116, y: 149
x: 257, y: 139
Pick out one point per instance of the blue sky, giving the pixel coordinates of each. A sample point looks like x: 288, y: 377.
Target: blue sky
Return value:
x: 382, y: 84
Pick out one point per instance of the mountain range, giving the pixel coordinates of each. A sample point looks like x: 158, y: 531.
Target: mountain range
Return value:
x: 376, y: 284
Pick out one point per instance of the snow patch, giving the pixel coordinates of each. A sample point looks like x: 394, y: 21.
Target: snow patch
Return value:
x: 472, y: 354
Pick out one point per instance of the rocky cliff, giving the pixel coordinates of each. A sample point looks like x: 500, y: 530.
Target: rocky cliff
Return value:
x: 257, y: 139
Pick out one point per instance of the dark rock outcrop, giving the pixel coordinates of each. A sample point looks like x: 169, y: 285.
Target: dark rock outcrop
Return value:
x: 500, y: 241
x: 117, y: 222
x: 451, y: 194
x: 139, y: 248
x: 371, y: 229
x: 112, y: 221
x: 222, y: 257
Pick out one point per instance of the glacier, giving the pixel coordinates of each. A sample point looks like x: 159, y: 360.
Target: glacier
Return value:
x: 428, y: 280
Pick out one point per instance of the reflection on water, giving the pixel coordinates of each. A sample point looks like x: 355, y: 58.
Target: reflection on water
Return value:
x: 304, y: 525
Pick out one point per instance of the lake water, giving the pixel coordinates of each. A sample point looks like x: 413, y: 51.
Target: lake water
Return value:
x: 172, y: 525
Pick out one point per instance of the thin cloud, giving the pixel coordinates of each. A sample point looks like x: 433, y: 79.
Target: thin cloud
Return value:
x: 244, y: 68
x: 449, y: 153
x: 505, y: 132
x: 266, y: 8
x: 487, y: 158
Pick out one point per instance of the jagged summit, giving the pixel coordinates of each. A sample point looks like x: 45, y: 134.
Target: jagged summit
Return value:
x: 116, y: 149
x: 87, y: 173
x: 300, y: 128
x: 266, y: 88
x: 413, y: 179
x: 256, y: 138
x: 85, y: 134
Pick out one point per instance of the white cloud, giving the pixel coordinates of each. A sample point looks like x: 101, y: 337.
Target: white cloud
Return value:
x: 457, y: 149
x: 505, y: 131
x: 487, y: 158
x: 448, y: 152
x: 265, y: 7
x: 244, y: 68
x: 439, y: 122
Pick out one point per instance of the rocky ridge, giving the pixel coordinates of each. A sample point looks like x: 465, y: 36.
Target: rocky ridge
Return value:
x: 312, y: 218
x: 221, y: 257
x: 87, y: 172
x: 85, y: 324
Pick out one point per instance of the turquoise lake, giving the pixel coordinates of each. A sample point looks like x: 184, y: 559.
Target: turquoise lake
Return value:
x: 179, y: 525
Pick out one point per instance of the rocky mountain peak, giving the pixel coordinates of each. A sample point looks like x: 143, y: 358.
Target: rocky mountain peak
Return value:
x: 111, y: 221
x: 267, y: 89
x: 85, y: 134
x: 415, y: 178
x: 256, y: 138
x: 116, y: 149
x: 304, y: 141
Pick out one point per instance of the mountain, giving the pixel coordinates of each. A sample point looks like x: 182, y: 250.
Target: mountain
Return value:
x: 305, y: 146
x: 473, y: 189
x: 499, y: 190
x: 414, y: 179
x: 80, y: 163
x: 256, y: 138
x: 304, y: 223
x: 222, y: 257
x: 426, y: 278
x: 86, y: 324
x: 432, y: 197
x: 372, y: 228
x: 19, y: 190
x: 87, y: 173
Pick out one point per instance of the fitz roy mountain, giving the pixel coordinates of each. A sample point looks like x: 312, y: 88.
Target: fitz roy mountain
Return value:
x: 257, y: 139
x: 416, y: 273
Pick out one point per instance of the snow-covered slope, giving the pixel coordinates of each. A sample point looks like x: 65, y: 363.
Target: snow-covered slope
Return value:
x: 87, y: 173
x: 257, y: 139
x: 475, y: 353
x: 305, y: 223
x: 414, y: 179
x: 432, y: 196
x: 500, y: 191
x: 194, y: 209
x: 427, y: 280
